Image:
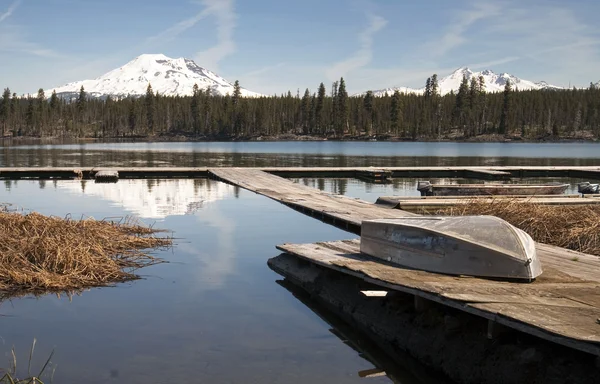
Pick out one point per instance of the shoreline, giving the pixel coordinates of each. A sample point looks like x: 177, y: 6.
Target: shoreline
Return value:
x: 175, y: 138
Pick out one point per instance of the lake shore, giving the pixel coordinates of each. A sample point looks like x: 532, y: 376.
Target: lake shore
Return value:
x: 180, y: 137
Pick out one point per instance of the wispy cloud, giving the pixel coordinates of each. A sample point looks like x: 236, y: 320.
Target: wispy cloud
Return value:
x: 455, y: 35
x: 551, y: 39
x: 363, y: 56
x: 491, y: 63
x: 13, y: 38
x: 10, y: 10
x: 226, y: 18
x: 264, y: 70
x: 172, y: 32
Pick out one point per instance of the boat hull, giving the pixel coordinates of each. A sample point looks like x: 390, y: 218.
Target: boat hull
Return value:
x: 482, y: 246
x: 489, y: 189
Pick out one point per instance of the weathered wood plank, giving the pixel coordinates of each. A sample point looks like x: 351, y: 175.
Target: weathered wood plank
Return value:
x: 433, y: 205
x: 312, y: 201
x: 557, y: 313
x: 591, y: 172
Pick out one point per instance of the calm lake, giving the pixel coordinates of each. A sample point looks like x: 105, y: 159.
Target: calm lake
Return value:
x: 215, y: 313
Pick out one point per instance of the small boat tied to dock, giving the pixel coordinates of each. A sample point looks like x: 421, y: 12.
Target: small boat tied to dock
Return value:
x: 428, y: 189
x: 482, y: 246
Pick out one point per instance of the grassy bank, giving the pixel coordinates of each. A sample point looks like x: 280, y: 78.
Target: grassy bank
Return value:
x: 41, y: 254
x: 572, y: 227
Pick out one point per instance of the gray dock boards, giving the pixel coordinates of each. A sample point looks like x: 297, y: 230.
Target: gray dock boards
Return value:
x: 433, y: 205
x: 561, y: 306
x: 309, y: 200
x: 486, y: 172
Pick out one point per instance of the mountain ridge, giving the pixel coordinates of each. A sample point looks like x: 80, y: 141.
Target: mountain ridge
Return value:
x: 450, y: 83
x: 167, y: 76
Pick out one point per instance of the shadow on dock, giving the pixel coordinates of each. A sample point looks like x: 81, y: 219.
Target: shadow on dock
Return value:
x: 405, y: 371
x: 401, y: 336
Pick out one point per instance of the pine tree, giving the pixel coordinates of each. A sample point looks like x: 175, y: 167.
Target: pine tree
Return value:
x: 5, y: 110
x: 342, y: 103
x: 334, y: 106
x: 81, y: 101
x: 313, y: 115
x: 482, y: 105
x: 305, y: 110
x: 41, y: 110
x: 54, y: 101
x: 504, y: 127
x: 195, y: 108
x: 150, y: 109
x: 461, y: 105
x: 396, y: 113
x: 30, y: 115
x: 132, y: 117
x: 237, y: 93
x: 208, y: 124
x: 319, y: 116
x: 434, y: 86
x: 368, y: 105
x: 428, y: 88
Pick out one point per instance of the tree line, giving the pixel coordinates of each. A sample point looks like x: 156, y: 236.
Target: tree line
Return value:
x: 332, y: 113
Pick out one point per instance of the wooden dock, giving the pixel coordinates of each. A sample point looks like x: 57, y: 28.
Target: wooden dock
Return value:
x: 341, y: 211
x: 431, y: 204
x: 374, y: 173
x: 563, y: 306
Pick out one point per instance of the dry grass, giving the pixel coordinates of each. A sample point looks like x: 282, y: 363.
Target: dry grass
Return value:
x: 50, y: 254
x: 572, y: 227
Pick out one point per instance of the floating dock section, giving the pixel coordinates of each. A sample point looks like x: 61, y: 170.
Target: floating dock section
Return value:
x: 372, y: 173
x: 561, y: 306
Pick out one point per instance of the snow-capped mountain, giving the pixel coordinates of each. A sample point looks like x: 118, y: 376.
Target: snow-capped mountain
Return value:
x: 169, y: 77
x: 493, y: 83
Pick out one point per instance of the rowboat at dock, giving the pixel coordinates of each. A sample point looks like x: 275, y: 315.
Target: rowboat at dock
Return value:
x: 482, y: 246
x: 428, y: 189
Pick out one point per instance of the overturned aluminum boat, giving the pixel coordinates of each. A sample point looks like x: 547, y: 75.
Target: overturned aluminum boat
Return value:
x: 483, y: 246
x: 428, y: 189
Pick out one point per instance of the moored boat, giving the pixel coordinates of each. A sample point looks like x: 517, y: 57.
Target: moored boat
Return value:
x: 428, y: 189
x: 483, y: 246
x: 586, y: 188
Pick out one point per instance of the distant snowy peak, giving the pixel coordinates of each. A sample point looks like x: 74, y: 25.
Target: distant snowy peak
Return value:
x: 493, y: 83
x: 391, y: 91
x: 167, y: 76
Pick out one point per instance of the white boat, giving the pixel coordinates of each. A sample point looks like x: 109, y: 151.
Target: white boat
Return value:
x: 483, y: 246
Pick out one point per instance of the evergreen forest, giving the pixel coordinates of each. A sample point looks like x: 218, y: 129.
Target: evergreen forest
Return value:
x: 331, y: 113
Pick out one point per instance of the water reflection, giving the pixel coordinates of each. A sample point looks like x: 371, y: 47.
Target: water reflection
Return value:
x: 153, y: 199
x: 383, y: 364
x: 305, y: 154
x: 408, y: 186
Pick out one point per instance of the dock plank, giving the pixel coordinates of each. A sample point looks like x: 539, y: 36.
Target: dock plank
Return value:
x: 588, y: 172
x: 341, y: 210
x: 565, y: 309
x: 314, y: 201
x: 432, y: 205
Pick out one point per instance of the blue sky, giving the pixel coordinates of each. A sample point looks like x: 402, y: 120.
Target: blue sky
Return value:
x: 272, y: 46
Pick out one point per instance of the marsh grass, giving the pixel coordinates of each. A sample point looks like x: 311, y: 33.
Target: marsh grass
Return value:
x: 575, y: 227
x: 40, y: 254
x: 10, y: 376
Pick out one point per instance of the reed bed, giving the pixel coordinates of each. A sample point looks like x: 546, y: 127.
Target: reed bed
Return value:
x: 41, y: 254
x: 572, y: 227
